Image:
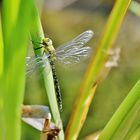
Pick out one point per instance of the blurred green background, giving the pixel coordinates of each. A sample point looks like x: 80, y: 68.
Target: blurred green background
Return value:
x: 62, y: 21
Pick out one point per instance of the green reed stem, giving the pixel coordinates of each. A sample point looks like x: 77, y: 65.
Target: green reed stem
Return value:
x: 15, y: 26
x: 125, y: 121
x: 37, y: 35
x: 96, y: 66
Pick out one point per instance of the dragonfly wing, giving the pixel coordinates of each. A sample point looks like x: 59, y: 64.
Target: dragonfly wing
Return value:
x: 30, y: 65
x: 74, y: 55
x: 34, y: 63
x: 77, y: 42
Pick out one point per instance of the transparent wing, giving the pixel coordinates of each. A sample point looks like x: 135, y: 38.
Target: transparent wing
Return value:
x: 74, y: 55
x: 77, y: 42
x: 39, y: 62
x: 73, y: 51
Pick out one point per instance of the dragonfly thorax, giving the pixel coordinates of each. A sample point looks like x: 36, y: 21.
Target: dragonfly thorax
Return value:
x: 48, y: 47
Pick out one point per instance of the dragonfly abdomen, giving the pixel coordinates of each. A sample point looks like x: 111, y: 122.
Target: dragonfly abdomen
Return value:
x: 56, y: 83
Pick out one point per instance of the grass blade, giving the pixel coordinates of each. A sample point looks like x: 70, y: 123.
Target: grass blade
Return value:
x: 95, y: 68
x: 1, y: 49
x: 9, y: 16
x: 125, y: 119
x: 37, y: 35
x: 16, y: 23
x: 1, y: 71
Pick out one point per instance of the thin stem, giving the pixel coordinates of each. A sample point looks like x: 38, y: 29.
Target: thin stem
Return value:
x: 125, y: 118
x: 37, y: 35
x: 95, y: 69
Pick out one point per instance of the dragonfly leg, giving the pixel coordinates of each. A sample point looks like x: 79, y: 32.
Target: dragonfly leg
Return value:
x: 37, y: 48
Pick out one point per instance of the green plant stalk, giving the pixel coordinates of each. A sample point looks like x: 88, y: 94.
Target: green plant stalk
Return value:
x: 9, y: 17
x: 15, y: 36
x: 1, y: 49
x: 136, y: 134
x: 125, y: 115
x: 135, y: 123
x: 95, y: 67
x: 1, y: 91
x: 127, y: 123
x: 37, y: 35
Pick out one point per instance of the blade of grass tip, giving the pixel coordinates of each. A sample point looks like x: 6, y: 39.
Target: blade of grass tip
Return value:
x: 129, y: 108
x: 135, y: 8
x: 15, y: 42
x: 95, y: 68
x: 37, y: 35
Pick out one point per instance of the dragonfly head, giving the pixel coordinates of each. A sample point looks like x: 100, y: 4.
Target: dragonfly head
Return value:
x: 47, y: 41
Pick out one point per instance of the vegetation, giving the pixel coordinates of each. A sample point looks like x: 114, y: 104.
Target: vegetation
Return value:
x: 15, y: 26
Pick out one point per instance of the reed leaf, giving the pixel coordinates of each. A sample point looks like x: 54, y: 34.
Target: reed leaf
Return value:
x: 15, y: 26
x: 1, y: 49
x: 1, y: 71
x: 95, y: 69
x: 125, y: 122
x: 37, y: 35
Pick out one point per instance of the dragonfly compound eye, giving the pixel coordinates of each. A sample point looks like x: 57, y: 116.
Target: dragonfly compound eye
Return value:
x: 47, y: 41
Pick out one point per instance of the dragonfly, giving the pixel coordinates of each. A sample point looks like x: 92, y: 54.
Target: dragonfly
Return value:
x: 68, y: 54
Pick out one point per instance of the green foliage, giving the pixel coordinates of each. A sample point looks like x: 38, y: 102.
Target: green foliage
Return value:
x: 125, y: 122
x: 1, y: 50
x: 15, y: 26
x: 95, y: 69
x: 37, y: 35
x: 1, y: 71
